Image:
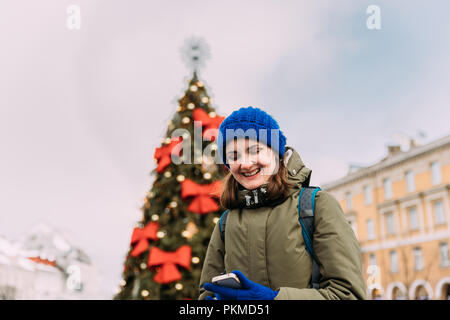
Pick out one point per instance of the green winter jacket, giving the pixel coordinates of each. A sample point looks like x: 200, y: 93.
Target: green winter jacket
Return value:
x: 266, y: 245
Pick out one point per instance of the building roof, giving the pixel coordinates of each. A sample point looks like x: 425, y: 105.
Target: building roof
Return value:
x: 388, y: 162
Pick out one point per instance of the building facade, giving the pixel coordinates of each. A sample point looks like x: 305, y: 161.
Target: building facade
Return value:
x: 44, y: 265
x: 399, y: 209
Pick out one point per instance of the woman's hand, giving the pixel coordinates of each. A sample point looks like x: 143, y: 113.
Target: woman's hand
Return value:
x: 250, y: 290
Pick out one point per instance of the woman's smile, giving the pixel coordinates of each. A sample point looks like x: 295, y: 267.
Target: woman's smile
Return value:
x: 251, y: 174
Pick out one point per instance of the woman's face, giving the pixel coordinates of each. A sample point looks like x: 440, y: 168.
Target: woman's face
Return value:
x: 251, y: 163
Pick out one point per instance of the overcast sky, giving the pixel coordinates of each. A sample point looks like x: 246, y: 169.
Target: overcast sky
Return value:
x: 82, y: 111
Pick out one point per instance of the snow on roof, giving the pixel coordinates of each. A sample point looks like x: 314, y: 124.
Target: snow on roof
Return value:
x: 41, y: 247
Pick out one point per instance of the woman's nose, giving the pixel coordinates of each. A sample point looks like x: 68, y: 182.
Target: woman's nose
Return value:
x: 248, y: 162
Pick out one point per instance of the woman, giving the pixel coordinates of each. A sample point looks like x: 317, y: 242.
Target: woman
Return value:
x: 264, y: 244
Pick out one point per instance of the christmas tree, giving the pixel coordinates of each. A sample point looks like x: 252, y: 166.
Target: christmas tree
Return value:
x: 168, y: 246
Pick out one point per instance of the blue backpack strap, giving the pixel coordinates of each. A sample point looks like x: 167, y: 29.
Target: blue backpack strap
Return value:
x: 306, y: 211
x: 223, y: 223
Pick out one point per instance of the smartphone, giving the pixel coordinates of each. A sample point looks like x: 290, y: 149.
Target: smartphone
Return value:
x: 229, y: 280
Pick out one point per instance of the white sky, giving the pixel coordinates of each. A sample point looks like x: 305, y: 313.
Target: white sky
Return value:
x: 81, y: 112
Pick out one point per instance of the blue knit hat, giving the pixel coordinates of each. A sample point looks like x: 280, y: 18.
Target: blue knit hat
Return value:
x: 250, y: 118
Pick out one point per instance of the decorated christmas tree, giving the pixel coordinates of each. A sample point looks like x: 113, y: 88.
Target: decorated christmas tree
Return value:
x: 168, y: 246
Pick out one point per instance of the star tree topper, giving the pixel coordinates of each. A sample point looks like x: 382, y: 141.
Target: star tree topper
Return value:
x: 195, y: 52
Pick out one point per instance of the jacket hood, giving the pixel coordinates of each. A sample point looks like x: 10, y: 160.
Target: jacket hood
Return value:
x: 298, y: 173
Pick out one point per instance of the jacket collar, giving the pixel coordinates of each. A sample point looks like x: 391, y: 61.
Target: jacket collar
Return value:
x: 254, y: 198
x: 298, y: 175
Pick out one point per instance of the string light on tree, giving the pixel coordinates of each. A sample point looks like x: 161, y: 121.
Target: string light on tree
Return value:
x: 179, y: 286
x: 186, y: 120
x: 190, y: 106
x: 215, y: 220
x: 205, y: 99
x: 146, y: 203
x: 143, y: 266
x: 199, y: 84
x: 160, y: 234
x: 191, y: 230
x: 185, y: 234
x: 180, y: 178
x: 167, y: 174
x: 207, y: 175
x: 155, y: 217
x: 145, y: 293
x: 173, y: 204
x: 195, y: 260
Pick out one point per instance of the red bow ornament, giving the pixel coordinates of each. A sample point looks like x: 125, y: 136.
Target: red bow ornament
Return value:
x: 168, y: 272
x: 210, y: 124
x: 202, y: 201
x: 141, y: 236
x: 163, y: 154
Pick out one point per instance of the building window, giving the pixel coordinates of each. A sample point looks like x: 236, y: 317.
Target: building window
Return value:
x: 410, y: 184
x: 370, y: 229
x: 439, y: 214
x: 390, y: 226
x: 387, y: 188
x: 393, y: 261
x: 367, y: 194
x: 418, y: 259
x: 348, y: 201
x: 413, y: 218
x: 436, y: 177
x: 443, y: 251
x: 421, y: 293
x: 372, y: 260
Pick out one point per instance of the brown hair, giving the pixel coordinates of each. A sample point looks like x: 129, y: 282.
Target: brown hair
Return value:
x: 277, y: 189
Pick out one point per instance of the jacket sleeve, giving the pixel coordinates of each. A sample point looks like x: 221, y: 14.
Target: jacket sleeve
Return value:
x: 214, y: 261
x: 339, y: 256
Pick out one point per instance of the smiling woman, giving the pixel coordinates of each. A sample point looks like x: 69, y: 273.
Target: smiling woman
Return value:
x: 253, y: 166
x: 254, y: 157
x: 266, y: 239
